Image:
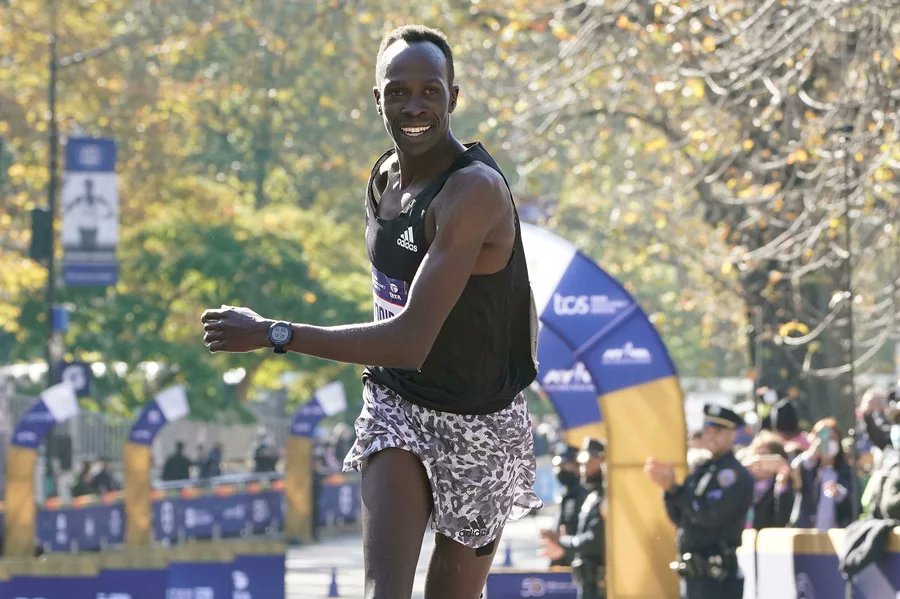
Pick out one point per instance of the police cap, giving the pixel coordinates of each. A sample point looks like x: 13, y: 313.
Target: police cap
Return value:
x: 721, y: 417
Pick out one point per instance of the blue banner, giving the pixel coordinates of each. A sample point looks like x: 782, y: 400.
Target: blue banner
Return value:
x: 267, y: 512
x: 338, y: 504
x: 166, y: 517
x: 55, y: 404
x: 133, y: 584
x: 326, y: 401
x: 148, y: 423
x: 34, y: 426
x: 306, y: 418
x: 199, y: 580
x: 567, y: 382
x: 46, y: 587
x: 516, y: 585
x: 169, y: 404
x: 258, y: 576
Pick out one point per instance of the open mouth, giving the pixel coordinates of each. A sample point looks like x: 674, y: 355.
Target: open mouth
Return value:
x: 415, y: 131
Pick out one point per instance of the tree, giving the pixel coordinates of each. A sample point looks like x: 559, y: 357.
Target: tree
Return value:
x: 734, y: 113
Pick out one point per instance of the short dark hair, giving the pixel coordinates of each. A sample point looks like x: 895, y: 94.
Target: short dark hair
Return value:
x: 412, y: 34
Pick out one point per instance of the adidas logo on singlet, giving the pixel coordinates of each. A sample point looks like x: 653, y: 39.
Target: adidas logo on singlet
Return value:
x: 406, y: 240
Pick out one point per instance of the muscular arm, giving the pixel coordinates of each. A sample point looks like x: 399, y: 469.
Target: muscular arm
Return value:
x: 471, y: 206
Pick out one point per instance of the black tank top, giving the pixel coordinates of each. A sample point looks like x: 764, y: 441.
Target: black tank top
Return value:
x: 484, y: 353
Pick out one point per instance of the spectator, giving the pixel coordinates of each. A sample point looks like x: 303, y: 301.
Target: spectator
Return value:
x: 265, y: 458
x: 824, y: 500
x: 50, y: 486
x: 882, y: 496
x: 82, y: 484
x: 585, y: 546
x: 103, y: 481
x: 874, y: 411
x: 786, y: 423
x: 566, y: 469
x: 211, y: 464
x: 343, y: 438
x: 177, y: 466
x: 538, y: 438
x: 773, y: 493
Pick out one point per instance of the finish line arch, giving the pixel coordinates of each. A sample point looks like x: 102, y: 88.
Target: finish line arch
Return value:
x: 608, y: 374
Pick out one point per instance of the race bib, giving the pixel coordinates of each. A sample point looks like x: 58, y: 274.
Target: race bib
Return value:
x: 389, y: 295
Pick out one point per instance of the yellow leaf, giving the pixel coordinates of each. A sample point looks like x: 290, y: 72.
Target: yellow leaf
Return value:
x: 655, y: 144
x: 709, y: 43
x: 798, y: 155
x: 747, y: 145
x: 630, y: 217
x: 727, y: 267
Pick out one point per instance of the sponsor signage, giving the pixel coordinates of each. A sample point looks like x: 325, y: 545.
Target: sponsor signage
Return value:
x: 528, y: 585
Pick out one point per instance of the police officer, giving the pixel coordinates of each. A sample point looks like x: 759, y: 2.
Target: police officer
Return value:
x: 567, y: 471
x: 709, y: 509
x: 586, y: 545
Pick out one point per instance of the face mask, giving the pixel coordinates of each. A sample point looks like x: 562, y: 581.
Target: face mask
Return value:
x: 895, y: 436
x: 566, y: 478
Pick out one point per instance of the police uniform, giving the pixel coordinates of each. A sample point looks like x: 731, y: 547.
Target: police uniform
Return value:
x: 571, y: 501
x: 710, y: 510
x: 587, y: 546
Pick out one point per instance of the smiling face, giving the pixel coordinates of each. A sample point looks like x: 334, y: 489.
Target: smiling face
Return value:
x: 414, y: 96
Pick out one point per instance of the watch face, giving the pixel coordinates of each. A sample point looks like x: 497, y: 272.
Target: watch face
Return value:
x: 280, y: 333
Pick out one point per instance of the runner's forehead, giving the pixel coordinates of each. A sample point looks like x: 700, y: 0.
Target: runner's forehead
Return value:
x: 419, y: 61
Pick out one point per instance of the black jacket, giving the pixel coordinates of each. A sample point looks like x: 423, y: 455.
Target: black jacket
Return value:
x: 587, y: 542
x: 710, y: 508
x: 772, y: 510
x: 569, y: 510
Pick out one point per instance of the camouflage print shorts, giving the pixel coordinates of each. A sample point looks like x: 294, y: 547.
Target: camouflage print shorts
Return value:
x: 481, y: 467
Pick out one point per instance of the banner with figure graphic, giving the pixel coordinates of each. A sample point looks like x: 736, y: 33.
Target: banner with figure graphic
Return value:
x: 90, y: 213
x: 606, y: 370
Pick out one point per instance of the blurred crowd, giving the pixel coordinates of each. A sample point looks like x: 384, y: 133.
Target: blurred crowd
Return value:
x: 804, y: 475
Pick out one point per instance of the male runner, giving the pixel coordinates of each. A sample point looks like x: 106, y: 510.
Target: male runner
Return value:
x: 444, y: 434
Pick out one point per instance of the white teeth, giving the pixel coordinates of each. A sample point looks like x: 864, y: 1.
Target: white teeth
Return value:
x: 414, y: 131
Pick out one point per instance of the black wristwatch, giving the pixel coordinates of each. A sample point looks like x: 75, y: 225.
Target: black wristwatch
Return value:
x: 280, y: 334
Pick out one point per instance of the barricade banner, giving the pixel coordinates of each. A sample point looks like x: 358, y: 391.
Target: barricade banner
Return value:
x: 138, y: 573
x: 525, y: 584
x: 168, y: 516
x: 259, y: 570
x: 339, y: 501
x: 52, y: 576
x: 200, y: 570
x: 804, y: 563
x: 267, y: 512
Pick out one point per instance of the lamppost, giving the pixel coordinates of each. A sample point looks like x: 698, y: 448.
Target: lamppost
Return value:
x: 51, y: 200
x: 844, y: 132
